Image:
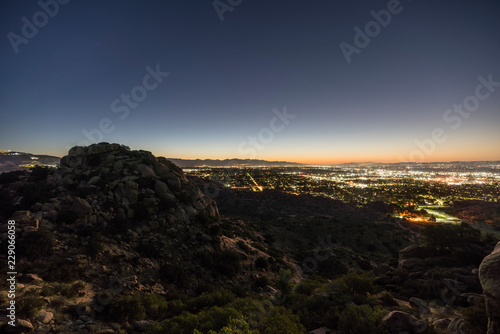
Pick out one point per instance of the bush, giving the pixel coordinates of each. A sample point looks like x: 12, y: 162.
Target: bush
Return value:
x: 225, y: 262
x: 360, y: 319
x: 449, y: 235
x: 174, y: 274
x: 244, y: 247
x: 282, y: 321
x: 156, y: 306
x: 125, y: 308
x: 36, y: 244
x: 387, y: 299
x: 209, y: 299
x: 34, y: 192
x: 262, y: 281
x: 353, y: 284
x: 475, y: 317
x: 95, y: 245
x: 261, y: 263
x: 10, y: 177
x: 67, y: 216
x: 214, y: 318
x: 307, y: 286
x: 235, y: 326
x: 29, y: 304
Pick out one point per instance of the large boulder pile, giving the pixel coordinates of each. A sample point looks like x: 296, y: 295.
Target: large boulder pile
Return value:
x: 108, y: 199
x: 132, y: 179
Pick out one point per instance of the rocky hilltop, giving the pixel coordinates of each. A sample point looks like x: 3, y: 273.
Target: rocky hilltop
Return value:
x: 121, y: 241
x: 110, y: 215
x: 132, y: 181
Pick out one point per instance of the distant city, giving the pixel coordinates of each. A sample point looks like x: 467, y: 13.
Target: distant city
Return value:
x: 429, y: 186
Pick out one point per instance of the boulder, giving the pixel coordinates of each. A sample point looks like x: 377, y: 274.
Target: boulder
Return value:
x: 415, y: 251
x: 30, y: 278
x: 458, y: 326
x: 142, y: 325
x: 22, y: 216
x: 147, y: 172
x: 441, y: 323
x: 22, y: 326
x: 81, y: 207
x: 44, y: 316
x: 163, y: 192
x: 398, y: 322
x: 412, y: 264
x: 420, y: 305
x: 489, y: 276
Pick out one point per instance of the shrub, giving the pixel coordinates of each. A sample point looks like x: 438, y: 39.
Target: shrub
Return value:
x: 262, y: 281
x: 173, y: 274
x: 449, y: 235
x: 243, y: 246
x: 67, y: 216
x: 95, y: 245
x: 353, y: 284
x: 125, y: 308
x: 37, y: 243
x: 282, y: 321
x: 214, y: 318
x: 387, y: 299
x: 225, y: 262
x: 209, y: 299
x: 261, y: 263
x: 29, y: 304
x: 307, y: 286
x: 34, y: 192
x: 235, y: 326
x: 475, y: 317
x: 361, y: 319
x: 156, y: 306
x: 10, y: 177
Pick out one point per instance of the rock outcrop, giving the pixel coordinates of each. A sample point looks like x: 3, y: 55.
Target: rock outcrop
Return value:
x: 489, y: 275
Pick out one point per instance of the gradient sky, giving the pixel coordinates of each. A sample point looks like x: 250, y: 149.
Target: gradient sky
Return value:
x: 226, y: 77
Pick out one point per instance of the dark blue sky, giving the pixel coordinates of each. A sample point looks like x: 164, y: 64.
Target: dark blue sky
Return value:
x: 226, y: 78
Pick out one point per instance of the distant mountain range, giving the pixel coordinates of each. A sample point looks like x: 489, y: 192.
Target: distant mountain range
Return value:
x: 10, y: 161
x: 186, y: 163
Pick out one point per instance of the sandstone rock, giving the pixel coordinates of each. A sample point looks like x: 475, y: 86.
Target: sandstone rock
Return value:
x: 441, y: 323
x: 81, y: 207
x: 419, y: 304
x: 142, y: 325
x: 22, y: 326
x: 47, y: 207
x: 94, y: 180
x: 43, y: 329
x: 489, y: 275
x: 149, y: 202
x: 44, y: 316
x: 22, y: 216
x: 412, y: 264
x: 30, y: 278
x: 415, y: 251
x: 163, y: 193
x: 458, y: 326
x: 398, y: 322
x: 146, y: 172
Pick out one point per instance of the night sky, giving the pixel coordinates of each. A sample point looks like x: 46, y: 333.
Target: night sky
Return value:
x: 171, y: 77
